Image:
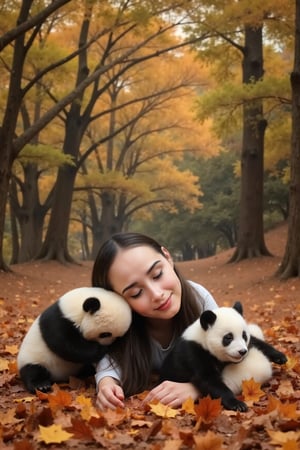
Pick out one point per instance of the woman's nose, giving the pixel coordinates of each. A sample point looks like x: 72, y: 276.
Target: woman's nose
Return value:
x: 156, y: 293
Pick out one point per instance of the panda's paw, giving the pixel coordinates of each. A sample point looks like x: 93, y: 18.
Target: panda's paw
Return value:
x: 42, y: 387
x: 235, y: 405
x: 279, y: 358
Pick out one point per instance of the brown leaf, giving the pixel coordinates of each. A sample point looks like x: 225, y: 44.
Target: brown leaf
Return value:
x: 80, y: 429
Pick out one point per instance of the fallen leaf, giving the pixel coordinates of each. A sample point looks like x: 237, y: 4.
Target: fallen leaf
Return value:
x: 163, y: 410
x: 251, y: 391
x: 188, y: 406
x: 53, y: 434
x: 278, y: 437
x: 210, y: 441
x: 60, y: 399
x: 208, y: 409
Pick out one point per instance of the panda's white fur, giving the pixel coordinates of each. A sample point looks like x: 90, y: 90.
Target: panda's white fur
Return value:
x: 255, y: 365
x: 228, y: 320
x: 217, y: 352
x: 114, y: 316
x: 34, y: 350
x: 71, y: 334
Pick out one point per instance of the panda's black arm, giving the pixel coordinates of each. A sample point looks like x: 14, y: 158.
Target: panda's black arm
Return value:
x: 268, y: 350
x: 208, y: 383
x: 190, y: 363
x: 65, y: 340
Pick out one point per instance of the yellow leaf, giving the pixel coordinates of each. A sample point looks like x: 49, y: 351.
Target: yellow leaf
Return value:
x: 3, y: 364
x: 188, y: 406
x: 251, y: 390
x: 280, y: 438
x: 163, y: 410
x: 84, y: 401
x: 12, y: 349
x: 53, y: 434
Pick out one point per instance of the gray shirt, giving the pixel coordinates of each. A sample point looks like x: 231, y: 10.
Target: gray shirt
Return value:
x: 107, y: 367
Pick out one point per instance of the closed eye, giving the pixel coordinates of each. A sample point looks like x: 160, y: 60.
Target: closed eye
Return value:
x: 227, y: 339
x: 137, y: 294
x: 157, y: 276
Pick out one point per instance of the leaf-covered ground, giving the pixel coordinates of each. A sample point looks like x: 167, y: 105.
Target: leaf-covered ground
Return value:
x: 67, y: 418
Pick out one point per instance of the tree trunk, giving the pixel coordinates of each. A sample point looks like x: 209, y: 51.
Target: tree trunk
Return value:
x: 290, y: 265
x: 250, y: 241
x: 55, y: 245
x: 109, y: 223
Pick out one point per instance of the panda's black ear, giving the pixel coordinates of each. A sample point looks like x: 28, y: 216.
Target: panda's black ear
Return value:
x: 91, y: 305
x: 207, y: 319
x: 238, y: 307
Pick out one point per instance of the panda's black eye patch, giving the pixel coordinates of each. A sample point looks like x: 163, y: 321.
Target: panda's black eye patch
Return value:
x: 227, y: 339
x: 245, y: 336
x: 104, y: 335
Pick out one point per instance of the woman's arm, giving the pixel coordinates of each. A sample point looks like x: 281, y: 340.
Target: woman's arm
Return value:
x: 109, y: 391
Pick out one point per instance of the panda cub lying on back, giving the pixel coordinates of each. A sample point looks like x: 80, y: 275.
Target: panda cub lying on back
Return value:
x: 217, y: 352
x: 70, y: 336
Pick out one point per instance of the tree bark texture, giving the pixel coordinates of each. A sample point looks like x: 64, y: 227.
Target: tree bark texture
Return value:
x: 250, y: 230
x: 290, y: 265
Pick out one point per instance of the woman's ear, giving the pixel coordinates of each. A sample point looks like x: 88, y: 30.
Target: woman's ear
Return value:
x: 167, y: 255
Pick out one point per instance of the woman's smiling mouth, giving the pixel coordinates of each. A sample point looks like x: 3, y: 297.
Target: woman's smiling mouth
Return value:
x: 164, y: 306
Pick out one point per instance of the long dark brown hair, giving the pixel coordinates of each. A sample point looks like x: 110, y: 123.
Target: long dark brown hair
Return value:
x: 132, y: 352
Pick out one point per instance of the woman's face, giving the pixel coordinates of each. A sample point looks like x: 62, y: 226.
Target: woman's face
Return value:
x: 147, y: 280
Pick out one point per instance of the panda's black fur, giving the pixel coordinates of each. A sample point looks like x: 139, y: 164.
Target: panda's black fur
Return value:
x: 70, y: 336
x: 193, y: 360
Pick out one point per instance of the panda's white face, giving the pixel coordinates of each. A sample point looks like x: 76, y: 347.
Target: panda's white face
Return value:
x: 99, y: 314
x: 228, y: 337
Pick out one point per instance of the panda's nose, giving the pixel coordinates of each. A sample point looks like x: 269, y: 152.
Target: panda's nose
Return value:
x: 243, y: 352
x: 105, y: 335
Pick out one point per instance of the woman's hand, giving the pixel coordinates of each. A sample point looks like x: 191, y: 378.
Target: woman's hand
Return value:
x: 172, y: 394
x: 110, y: 394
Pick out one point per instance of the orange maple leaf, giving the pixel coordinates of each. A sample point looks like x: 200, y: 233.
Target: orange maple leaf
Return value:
x: 291, y: 445
x: 208, y: 409
x: 273, y: 403
x: 210, y: 441
x: 60, y: 399
x: 251, y: 391
x: 287, y: 410
x: 53, y: 434
x: 188, y: 406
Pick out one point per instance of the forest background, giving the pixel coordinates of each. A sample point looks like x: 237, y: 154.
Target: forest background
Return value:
x: 178, y: 119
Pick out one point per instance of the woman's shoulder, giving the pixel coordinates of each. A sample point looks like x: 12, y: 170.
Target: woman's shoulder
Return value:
x: 206, y: 296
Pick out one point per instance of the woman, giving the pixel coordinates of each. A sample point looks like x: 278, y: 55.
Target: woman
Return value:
x: 163, y: 305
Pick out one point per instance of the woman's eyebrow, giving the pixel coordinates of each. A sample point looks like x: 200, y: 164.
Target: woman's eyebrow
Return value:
x: 147, y: 273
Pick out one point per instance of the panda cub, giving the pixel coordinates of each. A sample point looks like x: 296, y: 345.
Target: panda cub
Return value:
x: 70, y: 336
x: 217, y: 352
